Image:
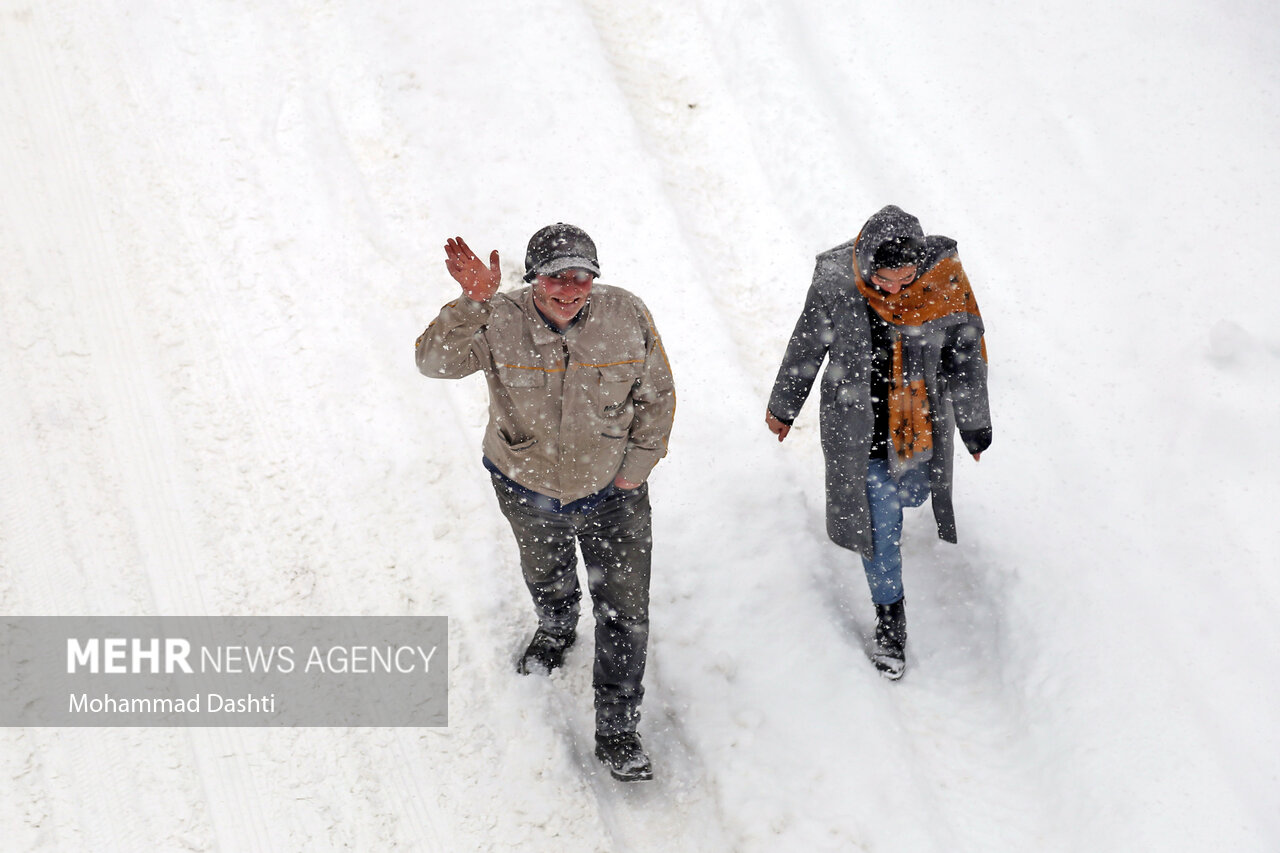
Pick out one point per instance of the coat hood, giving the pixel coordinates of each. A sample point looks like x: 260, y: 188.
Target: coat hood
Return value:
x: 889, y: 223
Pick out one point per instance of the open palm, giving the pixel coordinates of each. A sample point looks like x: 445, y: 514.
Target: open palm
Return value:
x: 479, y: 282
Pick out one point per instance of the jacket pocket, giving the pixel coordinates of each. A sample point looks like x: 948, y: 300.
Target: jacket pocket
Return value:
x: 616, y: 384
x: 516, y: 376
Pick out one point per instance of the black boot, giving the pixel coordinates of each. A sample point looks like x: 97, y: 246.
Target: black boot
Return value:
x: 890, y: 655
x: 546, y: 651
x: 625, y: 756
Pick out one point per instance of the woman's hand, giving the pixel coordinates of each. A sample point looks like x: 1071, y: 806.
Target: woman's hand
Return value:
x: 776, y: 426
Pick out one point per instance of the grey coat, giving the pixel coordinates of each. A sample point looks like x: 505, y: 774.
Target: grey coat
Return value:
x: 834, y: 326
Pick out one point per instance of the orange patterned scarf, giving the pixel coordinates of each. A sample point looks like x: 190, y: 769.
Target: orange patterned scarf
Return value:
x: 942, y: 290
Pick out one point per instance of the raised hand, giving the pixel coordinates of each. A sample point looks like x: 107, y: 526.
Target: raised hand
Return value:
x: 478, y: 281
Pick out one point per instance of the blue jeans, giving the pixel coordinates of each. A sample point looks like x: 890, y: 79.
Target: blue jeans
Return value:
x: 887, y: 498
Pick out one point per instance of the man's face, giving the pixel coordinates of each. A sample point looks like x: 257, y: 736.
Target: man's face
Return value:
x: 561, y: 296
x: 893, y: 279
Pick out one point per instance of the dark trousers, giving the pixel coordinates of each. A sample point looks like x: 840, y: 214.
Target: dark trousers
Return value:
x: 616, y: 538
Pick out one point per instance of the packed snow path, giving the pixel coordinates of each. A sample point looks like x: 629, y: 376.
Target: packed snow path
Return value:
x: 220, y: 235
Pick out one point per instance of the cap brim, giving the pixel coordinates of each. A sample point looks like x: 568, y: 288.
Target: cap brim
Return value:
x: 559, y: 265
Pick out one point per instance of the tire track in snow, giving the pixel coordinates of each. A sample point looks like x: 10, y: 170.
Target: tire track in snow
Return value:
x: 71, y: 777
x: 439, y: 768
x: 716, y: 187
x: 964, y: 726
x: 137, y: 375
x: 718, y: 197
x: 498, y: 723
x: 227, y: 329
x: 144, y: 445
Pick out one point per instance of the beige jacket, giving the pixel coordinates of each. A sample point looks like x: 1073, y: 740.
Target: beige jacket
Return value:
x: 567, y: 413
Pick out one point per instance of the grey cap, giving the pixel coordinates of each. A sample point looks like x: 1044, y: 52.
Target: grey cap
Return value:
x: 557, y: 248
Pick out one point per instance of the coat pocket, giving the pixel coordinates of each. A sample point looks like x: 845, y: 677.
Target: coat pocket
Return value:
x: 521, y: 446
x: 517, y: 376
x: 616, y: 384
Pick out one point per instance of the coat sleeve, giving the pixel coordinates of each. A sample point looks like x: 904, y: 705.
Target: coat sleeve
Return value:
x: 806, y: 350
x: 654, y: 397
x: 964, y: 368
x: 451, y: 347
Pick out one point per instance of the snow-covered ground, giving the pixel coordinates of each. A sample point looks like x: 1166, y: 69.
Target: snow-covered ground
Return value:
x: 221, y: 230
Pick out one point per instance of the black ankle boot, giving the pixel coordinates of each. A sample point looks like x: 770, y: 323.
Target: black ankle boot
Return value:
x: 890, y: 655
x: 546, y: 652
x: 625, y: 757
